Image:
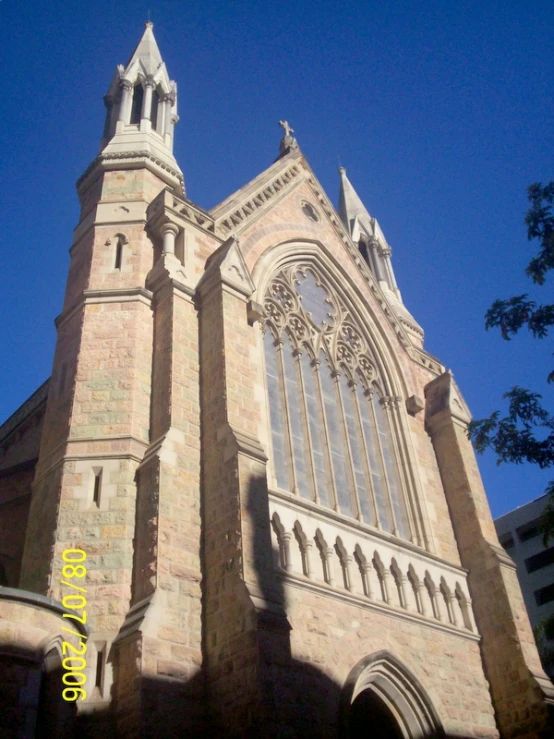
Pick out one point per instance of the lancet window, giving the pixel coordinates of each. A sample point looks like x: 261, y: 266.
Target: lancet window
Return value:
x: 331, y: 419
x: 136, y: 109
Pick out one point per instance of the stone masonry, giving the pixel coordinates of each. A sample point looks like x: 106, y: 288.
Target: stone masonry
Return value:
x: 219, y: 602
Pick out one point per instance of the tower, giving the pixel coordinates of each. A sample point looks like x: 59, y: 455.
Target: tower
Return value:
x: 285, y: 529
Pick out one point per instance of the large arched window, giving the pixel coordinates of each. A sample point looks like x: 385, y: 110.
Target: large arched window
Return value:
x: 330, y: 416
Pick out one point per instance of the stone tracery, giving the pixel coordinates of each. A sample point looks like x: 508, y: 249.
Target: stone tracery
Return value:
x: 330, y: 417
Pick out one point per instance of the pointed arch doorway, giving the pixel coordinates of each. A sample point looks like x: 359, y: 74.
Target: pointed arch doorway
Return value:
x: 382, y: 698
x: 370, y: 716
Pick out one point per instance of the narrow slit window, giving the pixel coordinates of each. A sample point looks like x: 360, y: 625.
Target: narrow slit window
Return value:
x: 100, y: 654
x: 118, y: 253
x: 97, y: 488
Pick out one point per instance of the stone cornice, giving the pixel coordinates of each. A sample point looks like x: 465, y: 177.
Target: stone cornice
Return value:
x: 130, y: 160
x: 257, y: 197
x: 111, y: 295
x: 65, y: 452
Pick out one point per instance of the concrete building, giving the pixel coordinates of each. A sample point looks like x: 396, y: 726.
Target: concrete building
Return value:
x: 285, y: 530
x: 519, y: 534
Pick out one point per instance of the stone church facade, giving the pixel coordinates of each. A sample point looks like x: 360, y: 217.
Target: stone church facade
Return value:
x: 285, y: 529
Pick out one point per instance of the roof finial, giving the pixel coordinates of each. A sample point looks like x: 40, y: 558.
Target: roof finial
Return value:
x: 149, y: 23
x: 288, y: 141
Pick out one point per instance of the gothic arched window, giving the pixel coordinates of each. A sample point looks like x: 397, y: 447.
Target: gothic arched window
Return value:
x: 330, y: 416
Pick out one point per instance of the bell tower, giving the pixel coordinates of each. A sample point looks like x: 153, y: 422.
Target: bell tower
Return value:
x: 98, y: 424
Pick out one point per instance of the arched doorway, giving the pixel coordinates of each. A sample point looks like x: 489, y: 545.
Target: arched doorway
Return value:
x: 371, y: 717
x: 382, y: 698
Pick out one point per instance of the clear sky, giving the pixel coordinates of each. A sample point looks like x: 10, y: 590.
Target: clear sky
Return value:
x: 440, y: 111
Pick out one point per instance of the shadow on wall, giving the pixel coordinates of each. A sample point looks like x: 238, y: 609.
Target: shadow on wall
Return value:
x: 290, y: 699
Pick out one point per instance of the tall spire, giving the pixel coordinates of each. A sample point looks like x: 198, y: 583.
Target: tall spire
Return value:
x: 350, y: 205
x: 366, y: 232
x: 147, y: 51
x: 141, y: 111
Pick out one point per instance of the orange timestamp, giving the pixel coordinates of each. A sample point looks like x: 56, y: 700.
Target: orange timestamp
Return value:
x: 74, y: 658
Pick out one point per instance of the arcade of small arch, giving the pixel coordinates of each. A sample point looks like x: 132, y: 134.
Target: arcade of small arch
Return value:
x: 372, y: 572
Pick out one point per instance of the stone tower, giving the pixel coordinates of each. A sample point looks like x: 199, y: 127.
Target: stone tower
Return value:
x: 285, y: 527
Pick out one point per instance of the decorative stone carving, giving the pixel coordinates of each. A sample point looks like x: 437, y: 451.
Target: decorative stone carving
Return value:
x: 288, y: 142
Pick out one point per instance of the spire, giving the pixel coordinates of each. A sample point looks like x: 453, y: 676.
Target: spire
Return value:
x: 366, y: 232
x: 350, y: 205
x: 141, y: 111
x: 147, y: 53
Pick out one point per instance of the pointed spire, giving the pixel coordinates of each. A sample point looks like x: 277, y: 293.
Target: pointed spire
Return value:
x: 142, y: 110
x: 350, y: 205
x: 366, y: 232
x: 147, y: 52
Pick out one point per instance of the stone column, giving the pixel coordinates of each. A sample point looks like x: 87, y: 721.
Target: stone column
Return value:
x: 424, y: 599
x: 367, y: 571
x: 146, y: 113
x: 169, y: 231
x: 440, y: 605
x: 170, y: 119
x: 453, y: 605
x: 126, y: 101
x: 407, y: 594
x: 375, y: 251
x: 308, y: 546
x: 286, y: 536
x: 386, y: 585
x: 329, y: 553
x: 348, y: 571
x: 507, y: 646
x: 109, y: 103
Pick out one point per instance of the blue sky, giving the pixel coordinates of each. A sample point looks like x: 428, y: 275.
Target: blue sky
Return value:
x: 441, y: 112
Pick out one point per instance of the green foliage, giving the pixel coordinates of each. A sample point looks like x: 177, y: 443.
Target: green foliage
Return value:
x: 526, y: 434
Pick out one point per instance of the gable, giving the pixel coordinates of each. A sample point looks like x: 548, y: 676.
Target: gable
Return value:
x: 286, y: 205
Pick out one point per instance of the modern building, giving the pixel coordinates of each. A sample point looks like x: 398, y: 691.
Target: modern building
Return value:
x: 245, y: 503
x: 520, y: 535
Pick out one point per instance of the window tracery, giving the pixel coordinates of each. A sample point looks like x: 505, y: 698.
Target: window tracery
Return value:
x: 330, y: 417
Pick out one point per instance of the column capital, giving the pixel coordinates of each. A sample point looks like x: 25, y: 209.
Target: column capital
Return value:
x: 168, y: 227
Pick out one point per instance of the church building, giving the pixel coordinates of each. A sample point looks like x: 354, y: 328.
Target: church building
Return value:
x: 245, y: 503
